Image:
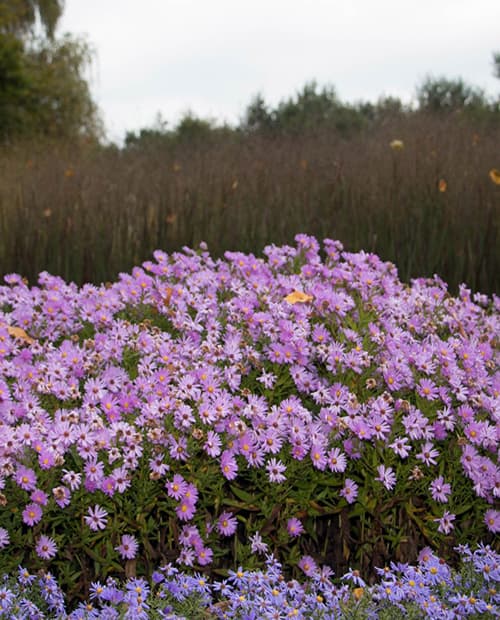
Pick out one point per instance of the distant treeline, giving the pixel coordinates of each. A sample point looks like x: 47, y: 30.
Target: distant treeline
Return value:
x: 45, y: 94
x: 315, y: 109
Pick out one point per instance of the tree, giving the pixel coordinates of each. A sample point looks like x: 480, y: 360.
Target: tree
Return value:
x: 19, y: 17
x: 442, y: 94
x: 43, y: 91
x: 257, y: 115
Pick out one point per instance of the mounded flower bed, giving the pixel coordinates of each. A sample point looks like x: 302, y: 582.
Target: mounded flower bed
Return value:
x: 204, y: 412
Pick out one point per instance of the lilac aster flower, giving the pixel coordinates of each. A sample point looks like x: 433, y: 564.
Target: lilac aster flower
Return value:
x: 96, y: 518
x: 350, y: 491
x: 177, y: 487
x: 427, y: 389
x: 186, y: 509
x: 492, y: 520
x: 294, y: 527
x: 446, y: 522
x: 228, y: 465
x: 257, y: 544
x: 400, y: 447
x: 204, y: 556
x: 26, y: 478
x: 386, y: 476
x: 128, y: 547
x: 4, y: 537
x: 275, y: 469
x: 32, y: 514
x: 226, y: 524
x: 440, y: 490
x: 308, y: 565
x: 62, y: 496
x: 428, y: 454
x: 46, y: 548
x: 337, y: 460
x: 39, y: 497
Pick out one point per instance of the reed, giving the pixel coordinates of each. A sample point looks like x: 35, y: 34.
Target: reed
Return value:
x: 87, y: 213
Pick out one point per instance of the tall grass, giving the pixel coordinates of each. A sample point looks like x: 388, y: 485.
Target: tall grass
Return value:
x: 88, y: 213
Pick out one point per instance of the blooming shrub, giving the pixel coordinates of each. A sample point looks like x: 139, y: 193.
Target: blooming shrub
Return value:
x: 201, y: 411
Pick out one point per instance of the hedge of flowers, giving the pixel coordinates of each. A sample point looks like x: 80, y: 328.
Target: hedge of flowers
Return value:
x: 198, y: 412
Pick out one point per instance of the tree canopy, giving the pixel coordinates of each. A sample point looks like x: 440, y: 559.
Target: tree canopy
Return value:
x: 43, y: 89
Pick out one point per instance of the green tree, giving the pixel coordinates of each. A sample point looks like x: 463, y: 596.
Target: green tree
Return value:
x: 19, y: 17
x: 43, y: 91
x: 442, y: 94
x: 257, y: 116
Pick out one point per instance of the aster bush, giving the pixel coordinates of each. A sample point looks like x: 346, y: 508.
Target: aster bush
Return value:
x: 200, y: 412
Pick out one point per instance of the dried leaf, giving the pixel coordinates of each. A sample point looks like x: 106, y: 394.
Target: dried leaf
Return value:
x: 298, y: 297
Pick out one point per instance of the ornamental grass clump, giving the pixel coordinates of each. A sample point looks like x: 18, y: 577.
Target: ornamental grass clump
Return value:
x: 200, y: 412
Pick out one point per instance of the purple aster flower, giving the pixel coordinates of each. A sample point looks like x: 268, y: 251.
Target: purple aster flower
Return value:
x: 308, y: 565
x: 32, y: 514
x: 318, y: 457
x: 294, y: 527
x: 257, y: 544
x: 428, y: 454
x: 96, y: 518
x: 39, y: 497
x: 492, y: 520
x: 400, y: 447
x: 267, y: 379
x: 440, y: 490
x: 275, y: 469
x: 4, y: 537
x: 427, y: 389
x: 350, y: 491
x: 72, y: 479
x: 46, y: 458
x: 226, y: 524
x: 228, y: 465
x: 26, y: 478
x: 386, y: 476
x: 337, y: 460
x: 46, y: 548
x: 446, y: 522
x: 185, y: 510
x: 128, y: 547
x: 62, y: 496
x: 177, y: 487
x: 212, y: 445
x: 204, y: 556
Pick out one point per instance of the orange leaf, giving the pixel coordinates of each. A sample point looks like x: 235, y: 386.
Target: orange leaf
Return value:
x: 442, y: 185
x: 495, y: 176
x: 18, y: 332
x: 298, y: 297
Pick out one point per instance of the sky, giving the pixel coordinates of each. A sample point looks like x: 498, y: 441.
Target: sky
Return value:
x: 211, y: 57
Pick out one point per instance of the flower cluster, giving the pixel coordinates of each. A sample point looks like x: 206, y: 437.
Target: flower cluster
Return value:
x: 192, y: 384
x: 430, y: 588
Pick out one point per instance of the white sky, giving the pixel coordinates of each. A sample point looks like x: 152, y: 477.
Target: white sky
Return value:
x: 213, y: 56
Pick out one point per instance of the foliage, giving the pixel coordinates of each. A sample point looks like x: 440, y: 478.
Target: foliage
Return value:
x: 444, y: 95
x: 19, y: 17
x: 43, y: 91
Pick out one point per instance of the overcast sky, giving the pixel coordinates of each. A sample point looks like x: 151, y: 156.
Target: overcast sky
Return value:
x: 213, y: 56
